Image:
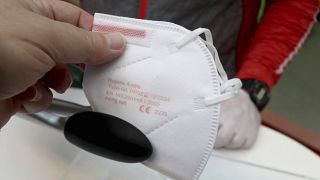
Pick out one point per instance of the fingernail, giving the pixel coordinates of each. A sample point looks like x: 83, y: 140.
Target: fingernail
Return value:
x: 116, y: 41
x: 70, y: 78
x: 65, y: 83
x: 37, y: 96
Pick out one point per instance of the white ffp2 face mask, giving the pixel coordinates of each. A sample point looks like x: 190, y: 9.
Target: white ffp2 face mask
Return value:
x: 168, y: 83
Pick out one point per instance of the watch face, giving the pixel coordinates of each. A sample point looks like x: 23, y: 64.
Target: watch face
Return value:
x: 261, y: 93
x: 258, y: 91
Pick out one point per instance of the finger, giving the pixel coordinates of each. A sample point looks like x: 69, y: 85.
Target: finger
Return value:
x: 8, y: 108
x: 237, y: 142
x: 64, y: 42
x: 66, y: 12
x: 81, y: 46
x: 250, y: 141
x: 70, y: 44
x: 224, y: 137
x: 58, y: 78
x: 41, y: 100
x: 27, y: 95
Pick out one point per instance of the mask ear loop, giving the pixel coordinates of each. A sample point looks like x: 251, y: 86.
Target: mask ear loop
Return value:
x: 229, y: 88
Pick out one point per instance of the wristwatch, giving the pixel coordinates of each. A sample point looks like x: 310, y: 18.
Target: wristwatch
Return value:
x: 258, y: 91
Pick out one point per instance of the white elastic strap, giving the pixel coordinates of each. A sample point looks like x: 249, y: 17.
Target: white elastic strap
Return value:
x: 232, y: 84
x: 229, y: 88
x: 214, y: 52
x: 193, y: 35
x: 209, y: 43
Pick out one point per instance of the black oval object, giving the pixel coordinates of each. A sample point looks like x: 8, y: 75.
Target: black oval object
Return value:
x: 108, y: 136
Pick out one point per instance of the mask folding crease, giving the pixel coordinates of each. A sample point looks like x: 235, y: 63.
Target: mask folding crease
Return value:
x: 168, y: 83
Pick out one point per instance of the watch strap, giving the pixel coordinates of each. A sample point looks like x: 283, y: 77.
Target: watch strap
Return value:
x: 258, y: 91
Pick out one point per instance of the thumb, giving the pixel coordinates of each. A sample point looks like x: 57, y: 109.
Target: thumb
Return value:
x: 67, y: 43
x: 74, y: 45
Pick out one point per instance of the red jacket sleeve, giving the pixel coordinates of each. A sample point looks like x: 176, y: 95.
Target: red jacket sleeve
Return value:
x: 282, y: 30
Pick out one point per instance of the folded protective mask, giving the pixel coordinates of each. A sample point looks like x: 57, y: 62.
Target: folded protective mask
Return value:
x: 168, y: 83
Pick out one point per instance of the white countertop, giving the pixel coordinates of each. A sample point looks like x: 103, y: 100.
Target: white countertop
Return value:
x: 30, y: 150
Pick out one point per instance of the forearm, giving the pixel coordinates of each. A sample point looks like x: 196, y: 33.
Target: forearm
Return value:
x: 283, y: 29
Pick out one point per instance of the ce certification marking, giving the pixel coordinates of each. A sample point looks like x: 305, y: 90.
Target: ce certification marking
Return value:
x: 144, y: 109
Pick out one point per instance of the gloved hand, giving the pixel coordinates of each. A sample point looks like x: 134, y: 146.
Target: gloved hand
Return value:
x: 239, y: 123
x: 36, y: 39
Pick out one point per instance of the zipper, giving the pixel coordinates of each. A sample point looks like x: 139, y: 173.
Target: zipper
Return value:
x: 142, y: 9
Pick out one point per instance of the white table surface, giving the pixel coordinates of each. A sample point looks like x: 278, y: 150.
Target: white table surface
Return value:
x: 33, y: 151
